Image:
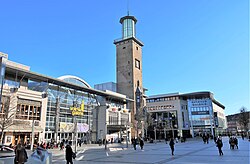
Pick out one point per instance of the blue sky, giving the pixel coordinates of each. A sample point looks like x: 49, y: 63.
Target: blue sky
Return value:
x: 189, y: 45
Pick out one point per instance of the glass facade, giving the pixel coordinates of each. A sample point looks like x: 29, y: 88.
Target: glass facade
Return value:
x: 163, y: 124
x: 128, y: 27
x: 2, y: 74
x: 59, y: 119
x: 60, y: 123
x: 201, y: 116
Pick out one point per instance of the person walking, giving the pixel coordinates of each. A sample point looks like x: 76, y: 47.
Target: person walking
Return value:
x: 69, y: 154
x: 242, y: 136
x: 141, y: 143
x: 171, y: 144
x: 135, y: 143
x: 235, y: 140
x: 219, y: 145
x: 231, y: 143
x: 20, y: 154
x: 61, y: 145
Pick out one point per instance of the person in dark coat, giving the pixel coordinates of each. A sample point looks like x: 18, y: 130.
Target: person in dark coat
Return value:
x: 69, y: 154
x: 219, y: 145
x: 235, y: 140
x: 20, y: 154
x: 134, y: 143
x: 141, y: 143
x: 231, y: 143
x: 171, y: 144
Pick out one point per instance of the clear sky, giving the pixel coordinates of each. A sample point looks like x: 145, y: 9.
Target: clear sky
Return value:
x: 189, y: 45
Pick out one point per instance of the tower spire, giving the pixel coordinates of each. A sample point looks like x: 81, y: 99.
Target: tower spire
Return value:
x: 128, y: 7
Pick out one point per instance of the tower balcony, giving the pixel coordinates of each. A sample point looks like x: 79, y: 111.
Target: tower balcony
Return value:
x: 116, y: 41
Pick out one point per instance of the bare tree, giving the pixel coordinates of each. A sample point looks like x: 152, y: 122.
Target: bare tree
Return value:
x: 7, y: 113
x: 243, y: 119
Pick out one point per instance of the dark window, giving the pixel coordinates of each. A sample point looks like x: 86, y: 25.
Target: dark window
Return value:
x: 124, y: 48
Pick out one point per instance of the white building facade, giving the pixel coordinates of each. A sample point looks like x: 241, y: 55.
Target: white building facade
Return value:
x: 185, y: 115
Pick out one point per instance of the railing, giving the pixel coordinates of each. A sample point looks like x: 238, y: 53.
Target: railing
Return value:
x: 120, y: 39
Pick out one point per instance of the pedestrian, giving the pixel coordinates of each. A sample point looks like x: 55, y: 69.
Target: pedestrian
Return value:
x: 171, y: 144
x: 231, y: 143
x: 219, y: 145
x: 61, y: 146
x: 204, y: 138
x: 141, y: 143
x: 242, y: 136
x: 20, y: 154
x: 236, y: 142
x: 207, y: 138
x: 69, y: 154
x: 135, y: 143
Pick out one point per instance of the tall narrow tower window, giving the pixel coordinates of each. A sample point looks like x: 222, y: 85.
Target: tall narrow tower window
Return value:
x: 137, y: 63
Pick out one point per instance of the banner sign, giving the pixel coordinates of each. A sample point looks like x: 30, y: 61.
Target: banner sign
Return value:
x: 66, y: 127
x: 82, y: 127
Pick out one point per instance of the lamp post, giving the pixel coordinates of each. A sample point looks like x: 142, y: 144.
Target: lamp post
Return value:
x: 32, y: 136
x: 155, y: 133
x: 126, y: 136
x: 75, y: 133
x: 105, y: 136
x: 165, y: 133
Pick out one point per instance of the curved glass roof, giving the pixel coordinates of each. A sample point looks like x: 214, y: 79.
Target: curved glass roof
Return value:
x: 74, y: 80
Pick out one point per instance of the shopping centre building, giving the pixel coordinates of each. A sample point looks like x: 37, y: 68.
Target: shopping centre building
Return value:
x: 56, y: 108
x: 184, y: 115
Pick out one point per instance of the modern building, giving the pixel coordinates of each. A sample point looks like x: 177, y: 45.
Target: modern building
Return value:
x: 20, y: 107
x: 184, y: 115
x: 111, y: 86
x: 62, y: 108
x: 129, y: 69
x: 116, y: 124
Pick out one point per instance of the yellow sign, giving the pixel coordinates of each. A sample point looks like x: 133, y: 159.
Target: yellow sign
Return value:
x: 77, y: 111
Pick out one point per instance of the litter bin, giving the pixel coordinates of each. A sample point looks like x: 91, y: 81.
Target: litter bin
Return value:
x: 40, y: 156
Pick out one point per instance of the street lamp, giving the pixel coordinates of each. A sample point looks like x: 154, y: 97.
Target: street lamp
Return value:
x: 155, y: 128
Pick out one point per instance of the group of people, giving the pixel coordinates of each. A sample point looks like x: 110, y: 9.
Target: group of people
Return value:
x: 205, y: 138
x: 135, y: 142
x: 233, y: 142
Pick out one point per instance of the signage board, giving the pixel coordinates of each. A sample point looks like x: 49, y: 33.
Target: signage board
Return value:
x: 78, y: 111
x: 200, y: 112
x: 199, y: 103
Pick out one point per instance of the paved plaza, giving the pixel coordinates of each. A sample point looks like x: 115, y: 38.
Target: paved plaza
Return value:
x: 190, y: 152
